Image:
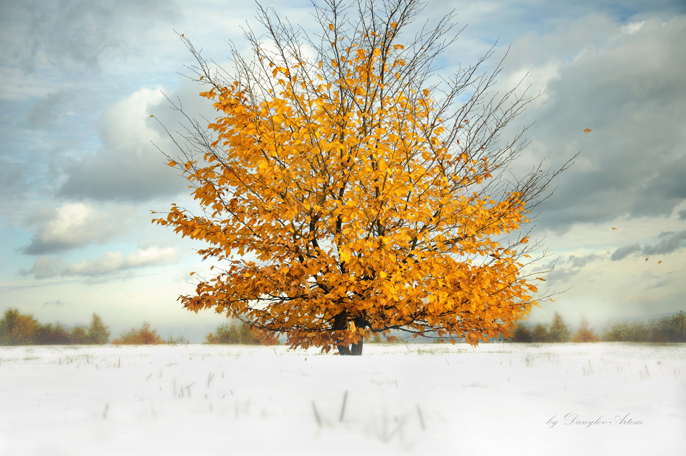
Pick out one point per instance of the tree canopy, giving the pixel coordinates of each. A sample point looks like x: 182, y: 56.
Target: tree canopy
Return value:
x: 346, y: 201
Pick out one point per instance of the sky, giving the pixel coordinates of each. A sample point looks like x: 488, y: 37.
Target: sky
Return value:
x: 80, y: 168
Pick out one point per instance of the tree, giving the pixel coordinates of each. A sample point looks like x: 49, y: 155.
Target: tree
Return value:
x: 559, y: 331
x: 523, y: 333
x: 671, y: 328
x: 540, y: 334
x: 17, y: 328
x: 350, y: 202
x: 585, y: 333
x: 53, y: 335
x: 79, y: 335
x: 97, y: 331
x: 142, y: 336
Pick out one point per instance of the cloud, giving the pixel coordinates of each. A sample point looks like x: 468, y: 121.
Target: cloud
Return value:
x: 129, y: 167
x: 682, y: 214
x: 46, y: 110
x: 580, y: 262
x: 81, y: 32
x: 625, y: 82
x: 43, y: 268
x: 108, y: 264
x: 112, y: 262
x: 74, y: 225
x: 55, y: 303
x: 571, y: 267
x: 670, y: 242
x: 625, y: 251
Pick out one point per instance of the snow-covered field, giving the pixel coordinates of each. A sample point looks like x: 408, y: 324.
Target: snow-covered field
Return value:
x: 559, y: 399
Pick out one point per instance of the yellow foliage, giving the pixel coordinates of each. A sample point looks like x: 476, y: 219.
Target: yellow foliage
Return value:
x: 355, y: 220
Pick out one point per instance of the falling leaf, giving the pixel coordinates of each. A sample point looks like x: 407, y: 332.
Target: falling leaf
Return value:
x: 659, y: 262
x: 646, y: 259
x: 615, y: 228
x: 587, y: 130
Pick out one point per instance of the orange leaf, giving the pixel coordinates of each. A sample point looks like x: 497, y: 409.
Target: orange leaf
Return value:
x: 587, y: 130
x: 330, y: 26
x: 172, y: 163
x: 659, y: 262
x: 615, y: 228
x: 646, y: 259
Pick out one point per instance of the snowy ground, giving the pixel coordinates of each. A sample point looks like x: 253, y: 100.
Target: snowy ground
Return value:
x: 560, y: 399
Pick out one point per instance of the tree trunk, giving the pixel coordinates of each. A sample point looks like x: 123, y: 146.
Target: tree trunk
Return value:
x: 340, y: 323
x: 354, y: 349
x: 357, y: 348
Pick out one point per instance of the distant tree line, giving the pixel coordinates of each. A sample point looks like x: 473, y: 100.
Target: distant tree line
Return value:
x: 667, y: 329
x: 20, y: 329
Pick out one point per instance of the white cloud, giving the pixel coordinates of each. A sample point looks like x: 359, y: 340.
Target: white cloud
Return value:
x: 74, y: 225
x: 112, y: 262
x: 107, y: 264
x: 128, y: 167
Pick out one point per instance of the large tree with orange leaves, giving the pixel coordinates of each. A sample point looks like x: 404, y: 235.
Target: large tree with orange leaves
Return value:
x: 344, y: 200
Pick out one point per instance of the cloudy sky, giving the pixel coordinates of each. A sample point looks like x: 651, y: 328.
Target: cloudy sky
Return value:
x: 79, y: 173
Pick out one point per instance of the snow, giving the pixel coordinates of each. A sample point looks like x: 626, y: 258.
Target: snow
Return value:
x: 627, y: 399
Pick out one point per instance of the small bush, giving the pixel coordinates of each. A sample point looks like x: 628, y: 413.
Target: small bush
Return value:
x: 143, y: 336
x: 242, y: 334
x: 180, y: 340
x: 585, y: 333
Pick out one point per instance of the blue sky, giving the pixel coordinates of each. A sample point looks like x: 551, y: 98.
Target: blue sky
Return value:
x: 79, y: 173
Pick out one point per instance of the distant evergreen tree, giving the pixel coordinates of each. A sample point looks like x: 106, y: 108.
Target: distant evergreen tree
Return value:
x: 559, y: 331
x: 97, y: 331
